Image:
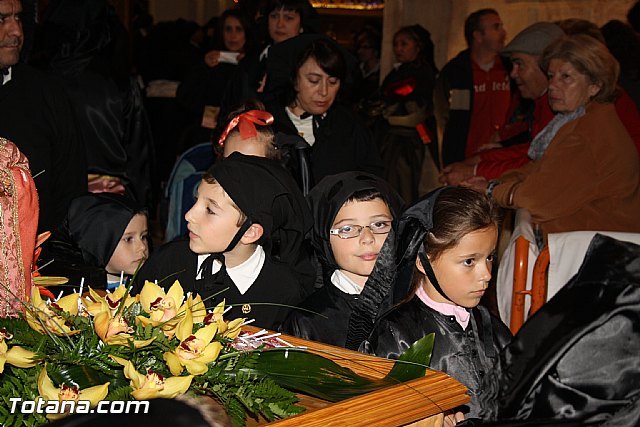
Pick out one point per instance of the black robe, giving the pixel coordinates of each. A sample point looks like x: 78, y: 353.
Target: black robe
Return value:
x: 326, y: 321
x: 467, y: 355
x: 36, y: 114
x: 342, y: 144
x: 275, y: 286
x: 576, y: 361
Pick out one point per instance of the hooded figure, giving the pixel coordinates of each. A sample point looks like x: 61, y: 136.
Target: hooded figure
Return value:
x: 267, y: 195
x: 331, y: 302
x: 576, y: 361
x: 83, y: 245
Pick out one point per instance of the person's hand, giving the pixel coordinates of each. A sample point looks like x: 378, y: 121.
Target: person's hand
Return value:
x: 489, y: 146
x: 453, y: 418
x: 457, y: 172
x: 478, y: 183
x: 212, y: 58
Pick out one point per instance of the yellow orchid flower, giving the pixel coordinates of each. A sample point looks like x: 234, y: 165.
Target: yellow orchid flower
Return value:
x: 116, y: 331
x: 194, y: 352
x: 16, y: 356
x: 50, y: 392
x: 165, y: 310
x: 153, y: 385
x: 42, y: 318
x: 230, y: 329
x: 110, y: 302
x: 197, y: 307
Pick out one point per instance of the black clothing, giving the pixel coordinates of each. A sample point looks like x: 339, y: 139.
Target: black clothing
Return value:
x: 35, y: 113
x: 326, y: 321
x: 407, y: 93
x: 342, y: 143
x: 329, y: 308
x: 576, y: 360
x: 457, y: 74
x: 467, y: 355
x: 275, y: 284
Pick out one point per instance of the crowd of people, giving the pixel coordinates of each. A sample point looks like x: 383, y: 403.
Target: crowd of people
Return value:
x: 325, y: 205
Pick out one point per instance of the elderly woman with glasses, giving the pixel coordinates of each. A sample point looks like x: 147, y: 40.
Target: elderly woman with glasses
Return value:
x: 585, y: 173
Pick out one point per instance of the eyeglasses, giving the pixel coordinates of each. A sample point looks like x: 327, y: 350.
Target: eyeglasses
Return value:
x: 350, y: 231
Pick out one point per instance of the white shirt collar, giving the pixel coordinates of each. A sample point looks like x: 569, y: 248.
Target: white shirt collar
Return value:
x: 6, y: 79
x: 344, y: 283
x: 303, y: 126
x: 242, y: 275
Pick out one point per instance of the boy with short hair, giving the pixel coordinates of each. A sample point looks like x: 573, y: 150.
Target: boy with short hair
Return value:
x: 246, y: 242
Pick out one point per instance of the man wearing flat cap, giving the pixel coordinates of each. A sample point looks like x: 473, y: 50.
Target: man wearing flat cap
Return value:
x: 525, y: 51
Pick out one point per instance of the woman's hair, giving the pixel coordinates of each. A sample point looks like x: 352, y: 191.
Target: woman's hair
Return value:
x: 589, y: 57
x: 245, y: 22
x: 573, y: 26
x: 422, y: 37
x: 308, y: 15
x: 329, y: 58
x: 264, y: 133
x: 457, y: 212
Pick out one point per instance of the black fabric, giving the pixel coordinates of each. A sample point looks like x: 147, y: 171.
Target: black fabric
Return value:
x: 270, y: 298
x: 467, y: 355
x: 456, y: 74
x: 36, y: 114
x: 327, y: 318
x: 325, y: 200
x: 342, y: 143
x: 83, y: 245
x: 86, y: 43
x: 390, y: 280
x: 578, y: 357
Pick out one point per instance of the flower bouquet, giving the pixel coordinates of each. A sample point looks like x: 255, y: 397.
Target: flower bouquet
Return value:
x: 116, y: 347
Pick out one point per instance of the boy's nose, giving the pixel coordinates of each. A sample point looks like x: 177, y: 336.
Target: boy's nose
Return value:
x: 366, y: 236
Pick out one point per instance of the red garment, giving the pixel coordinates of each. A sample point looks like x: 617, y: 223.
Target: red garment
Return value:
x: 494, y: 163
x: 491, y: 103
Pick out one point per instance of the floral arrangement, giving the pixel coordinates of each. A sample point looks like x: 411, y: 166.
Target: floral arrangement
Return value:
x: 162, y: 344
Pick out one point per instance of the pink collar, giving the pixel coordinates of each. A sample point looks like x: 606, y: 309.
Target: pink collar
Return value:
x: 460, y: 313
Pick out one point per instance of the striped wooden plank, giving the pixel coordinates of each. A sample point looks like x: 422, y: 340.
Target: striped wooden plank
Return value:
x: 418, y: 403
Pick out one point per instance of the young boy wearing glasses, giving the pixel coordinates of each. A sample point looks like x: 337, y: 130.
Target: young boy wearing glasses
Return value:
x: 353, y: 214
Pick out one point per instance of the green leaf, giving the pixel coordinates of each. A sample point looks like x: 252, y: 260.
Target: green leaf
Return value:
x: 320, y: 377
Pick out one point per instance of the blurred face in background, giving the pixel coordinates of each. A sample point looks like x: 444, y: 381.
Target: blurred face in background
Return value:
x: 233, y: 34
x: 316, y: 90
x: 492, y: 34
x: 528, y: 75
x: 405, y: 48
x: 284, y: 24
x: 11, y: 36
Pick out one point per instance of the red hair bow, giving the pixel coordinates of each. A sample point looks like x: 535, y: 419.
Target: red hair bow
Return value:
x: 246, y: 122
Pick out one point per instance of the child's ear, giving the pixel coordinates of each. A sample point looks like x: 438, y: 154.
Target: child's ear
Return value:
x: 419, y: 265
x: 253, y: 234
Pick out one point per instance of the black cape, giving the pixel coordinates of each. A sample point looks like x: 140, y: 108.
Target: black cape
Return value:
x: 576, y: 361
x: 467, y: 355
x: 36, y: 114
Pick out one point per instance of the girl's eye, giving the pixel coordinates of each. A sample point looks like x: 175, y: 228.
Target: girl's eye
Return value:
x: 491, y: 257
x: 144, y: 237
x: 210, y: 211
x: 468, y: 262
x: 128, y: 239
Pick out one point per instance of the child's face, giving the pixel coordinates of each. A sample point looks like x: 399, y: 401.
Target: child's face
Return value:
x: 250, y: 146
x: 356, y: 256
x: 464, y: 271
x: 212, y: 220
x: 132, y: 249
